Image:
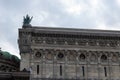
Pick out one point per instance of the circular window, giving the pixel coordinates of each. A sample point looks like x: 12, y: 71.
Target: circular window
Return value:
x: 38, y: 54
x: 104, y: 57
x: 82, y: 57
x: 60, y: 55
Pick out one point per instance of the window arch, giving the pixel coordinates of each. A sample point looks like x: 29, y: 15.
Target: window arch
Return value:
x: 49, y: 55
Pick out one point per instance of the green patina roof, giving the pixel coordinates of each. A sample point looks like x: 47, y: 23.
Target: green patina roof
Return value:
x: 16, y: 58
x: 6, y: 55
x: 9, y: 56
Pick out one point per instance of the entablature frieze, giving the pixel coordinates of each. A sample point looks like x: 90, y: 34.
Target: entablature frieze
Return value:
x: 73, y: 56
x: 80, y: 37
x: 73, y: 41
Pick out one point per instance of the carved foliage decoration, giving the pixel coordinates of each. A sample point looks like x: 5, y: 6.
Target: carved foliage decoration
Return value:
x: 60, y: 41
x: 102, y: 43
x: 93, y: 58
x: 71, y: 41
x: 49, y: 40
x: 71, y: 56
x: 82, y: 42
x: 114, y: 58
x: 38, y: 40
x: 92, y: 43
x: 113, y: 43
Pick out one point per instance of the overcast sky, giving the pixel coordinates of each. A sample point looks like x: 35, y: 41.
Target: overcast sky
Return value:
x: 90, y: 14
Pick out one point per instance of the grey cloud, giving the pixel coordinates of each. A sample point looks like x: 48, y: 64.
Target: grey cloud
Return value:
x: 46, y: 12
x: 110, y: 14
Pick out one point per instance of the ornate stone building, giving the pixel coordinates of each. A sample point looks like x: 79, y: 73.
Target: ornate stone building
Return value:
x: 9, y: 67
x: 8, y: 62
x: 70, y: 54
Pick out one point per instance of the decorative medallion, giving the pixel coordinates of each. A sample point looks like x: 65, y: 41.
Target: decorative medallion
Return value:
x: 114, y: 58
x: 71, y: 57
x: 49, y: 56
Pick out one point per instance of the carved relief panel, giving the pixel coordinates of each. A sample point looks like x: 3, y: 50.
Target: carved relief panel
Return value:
x: 71, y: 56
x: 115, y: 58
x: 93, y: 58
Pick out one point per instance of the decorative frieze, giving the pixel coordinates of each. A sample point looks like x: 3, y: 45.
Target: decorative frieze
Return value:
x: 76, y: 56
x: 71, y: 41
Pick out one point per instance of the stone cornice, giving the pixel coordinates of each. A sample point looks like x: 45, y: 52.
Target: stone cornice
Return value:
x: 72, y: 31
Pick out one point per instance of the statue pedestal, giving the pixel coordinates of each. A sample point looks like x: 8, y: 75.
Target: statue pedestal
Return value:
x: 26, y: 26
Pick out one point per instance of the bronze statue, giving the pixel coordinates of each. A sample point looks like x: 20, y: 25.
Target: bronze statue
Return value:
x: 27, y: 19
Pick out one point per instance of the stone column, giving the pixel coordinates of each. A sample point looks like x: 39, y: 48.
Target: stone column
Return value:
x: 109, y: 65
x: 98, y: 65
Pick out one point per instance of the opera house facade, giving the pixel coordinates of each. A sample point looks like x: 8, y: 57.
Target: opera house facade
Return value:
x: 62, y: 54
x: 69, y: 54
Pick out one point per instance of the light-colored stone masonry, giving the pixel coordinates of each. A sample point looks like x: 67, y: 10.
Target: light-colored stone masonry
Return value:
x: 61, y: 53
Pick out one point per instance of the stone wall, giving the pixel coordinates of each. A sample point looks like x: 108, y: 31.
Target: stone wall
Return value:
x: 69, y: 54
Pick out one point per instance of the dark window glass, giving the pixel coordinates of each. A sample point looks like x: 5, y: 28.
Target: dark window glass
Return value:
x: 105, y: 70
x: 103, y: 57
x: 60, y: 70
x: 38, y: 54
x: 60, y: 55
x: 37, y: 69
x: 83, y: 70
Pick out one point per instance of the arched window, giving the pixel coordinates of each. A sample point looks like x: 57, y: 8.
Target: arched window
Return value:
x: 49, y: 55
